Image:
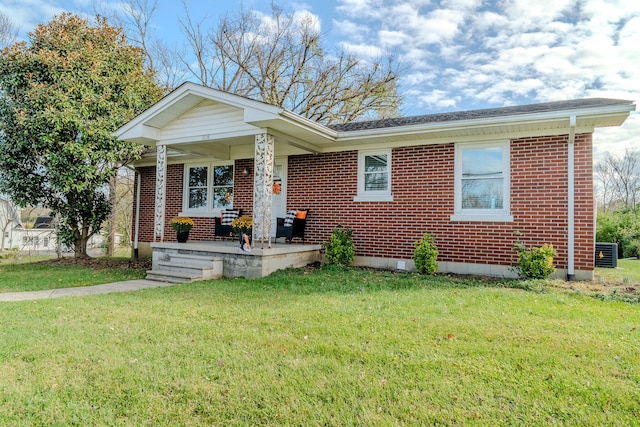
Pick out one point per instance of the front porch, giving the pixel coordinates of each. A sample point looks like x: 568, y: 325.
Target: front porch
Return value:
x: 203, y: 260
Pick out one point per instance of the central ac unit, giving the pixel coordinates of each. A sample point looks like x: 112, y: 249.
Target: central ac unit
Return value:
x: 606, y: 255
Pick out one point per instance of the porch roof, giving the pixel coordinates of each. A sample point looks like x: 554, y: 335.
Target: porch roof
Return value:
x: 194, y: 120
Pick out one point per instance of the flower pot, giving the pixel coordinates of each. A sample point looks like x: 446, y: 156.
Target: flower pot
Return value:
x: 182, y: 236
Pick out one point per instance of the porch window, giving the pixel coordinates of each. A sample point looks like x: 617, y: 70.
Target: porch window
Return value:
x: 198, y: 187
x: 222, y: 187
x: 482, y: 182
x: 208, y: 188
x: 374, y: 176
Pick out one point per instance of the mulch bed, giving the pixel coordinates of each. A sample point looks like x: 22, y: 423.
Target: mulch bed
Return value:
x: 101, y: 263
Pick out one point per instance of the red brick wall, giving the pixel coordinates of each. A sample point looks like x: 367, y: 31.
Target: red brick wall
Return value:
x: 423, y: 191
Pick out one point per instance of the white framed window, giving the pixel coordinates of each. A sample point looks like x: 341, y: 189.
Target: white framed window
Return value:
x: 374, y: 176
x: 208, y: 188
x: 482, y: 182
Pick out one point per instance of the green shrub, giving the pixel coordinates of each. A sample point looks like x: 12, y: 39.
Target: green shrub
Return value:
x: 340, y: 250
x: 534, y: 263
x: 426, y: 254
x: 621, y: 227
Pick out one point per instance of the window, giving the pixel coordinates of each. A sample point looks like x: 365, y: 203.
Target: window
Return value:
x: 374, y: 176
x: 198, y: 187
x: 482, y: 182
x: 222, y: 187
x: 208, y: 188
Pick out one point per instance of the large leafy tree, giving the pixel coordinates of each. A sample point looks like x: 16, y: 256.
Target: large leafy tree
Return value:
x: 62, y: 95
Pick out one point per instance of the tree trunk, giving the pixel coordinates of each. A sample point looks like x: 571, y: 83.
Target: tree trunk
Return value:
x: 4, y: 231
x: 82, y: 239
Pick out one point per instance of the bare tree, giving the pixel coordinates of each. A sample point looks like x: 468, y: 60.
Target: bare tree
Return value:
x: 8, y: 31
x: 124, y: 205
x: 604, y: 185
x: 135, y: 17
x: 279, y: 59
x: 121, y: 189
x: 619, y: 178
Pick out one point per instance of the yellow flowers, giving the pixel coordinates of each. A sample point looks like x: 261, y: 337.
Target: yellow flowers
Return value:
x: 242, y: 224
x: 182, y: 223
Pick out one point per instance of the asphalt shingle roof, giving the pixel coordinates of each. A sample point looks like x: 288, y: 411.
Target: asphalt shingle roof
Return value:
x: 478, y: 114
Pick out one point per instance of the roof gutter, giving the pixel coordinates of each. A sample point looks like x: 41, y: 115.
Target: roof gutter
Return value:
x: 571, y: 200
x: 310, y: 125
x: 619, y: 110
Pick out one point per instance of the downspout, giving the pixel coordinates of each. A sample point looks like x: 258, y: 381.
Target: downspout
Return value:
x: 136, y: 233
x: 571, y: 200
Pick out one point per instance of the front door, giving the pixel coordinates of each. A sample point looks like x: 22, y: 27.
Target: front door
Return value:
x: 279, y: 206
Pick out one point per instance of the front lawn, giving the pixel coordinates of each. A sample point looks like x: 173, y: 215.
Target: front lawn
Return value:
x: 305, y: 347
x: 54, y: 274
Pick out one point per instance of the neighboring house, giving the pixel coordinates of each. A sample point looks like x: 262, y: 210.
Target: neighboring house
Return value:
x: 476, y: 180
x: 41, y: 238
x: 9, y: 222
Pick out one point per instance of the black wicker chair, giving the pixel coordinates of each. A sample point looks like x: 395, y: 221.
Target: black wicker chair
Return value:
x: 295, y: 229
x: 225, y: 230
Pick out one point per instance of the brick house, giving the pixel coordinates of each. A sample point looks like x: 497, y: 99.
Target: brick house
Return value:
x: 473, y: 179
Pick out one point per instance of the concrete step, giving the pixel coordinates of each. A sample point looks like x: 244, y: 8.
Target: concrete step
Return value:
x: 186, y: 269
x: 211, y: 272
x: 171, y: 277
x: 205, y: 261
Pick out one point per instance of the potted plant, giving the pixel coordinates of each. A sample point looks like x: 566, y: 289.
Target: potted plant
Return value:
x: 181, y: 225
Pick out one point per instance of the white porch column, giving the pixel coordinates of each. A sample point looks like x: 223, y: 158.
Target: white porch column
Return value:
x: 161, y: 189
x: 262, y: 189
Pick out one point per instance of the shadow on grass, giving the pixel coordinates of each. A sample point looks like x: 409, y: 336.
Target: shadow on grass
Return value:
x: 349, y: 280
x: 335, y: 279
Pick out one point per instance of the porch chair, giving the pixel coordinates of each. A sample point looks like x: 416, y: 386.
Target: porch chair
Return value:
x: 292, y: 225
x: 223, y: 222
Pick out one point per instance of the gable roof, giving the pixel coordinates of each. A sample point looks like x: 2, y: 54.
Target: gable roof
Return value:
x: 199, y: 121
x: 546, y: 107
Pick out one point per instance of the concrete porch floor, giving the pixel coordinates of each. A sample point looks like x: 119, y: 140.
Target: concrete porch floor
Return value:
x: 169, y: 258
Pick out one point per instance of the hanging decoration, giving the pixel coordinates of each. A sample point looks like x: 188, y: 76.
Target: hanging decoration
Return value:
x: 276, y: 188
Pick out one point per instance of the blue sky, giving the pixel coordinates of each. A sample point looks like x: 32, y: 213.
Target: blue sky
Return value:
x: 456, y: 54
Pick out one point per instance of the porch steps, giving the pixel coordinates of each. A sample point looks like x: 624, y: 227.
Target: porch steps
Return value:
x: 181, y: 268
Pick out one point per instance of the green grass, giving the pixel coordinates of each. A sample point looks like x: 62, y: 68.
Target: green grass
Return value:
x: 341, y: 347
x: 628, y: 271
x: 7, y: 258
x: 21, y: 276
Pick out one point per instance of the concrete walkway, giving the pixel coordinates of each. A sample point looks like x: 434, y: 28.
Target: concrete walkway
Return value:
x: 107, y: 288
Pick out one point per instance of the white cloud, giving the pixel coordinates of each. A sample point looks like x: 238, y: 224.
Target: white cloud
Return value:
x: 362, y: 50
x: 463, y: 54
x: 439, y: 99
x: 350, y: 30
x: 527, y: 14
x: 26, y: 14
